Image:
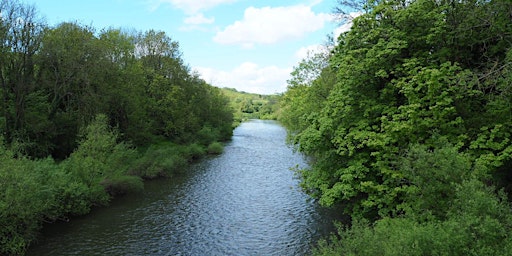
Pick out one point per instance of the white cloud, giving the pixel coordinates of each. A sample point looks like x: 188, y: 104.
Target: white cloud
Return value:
x: 269, y: 25
x: 304, y: 52
x: 248, y: 77
x: 198, y: 19
x: 190, y: 6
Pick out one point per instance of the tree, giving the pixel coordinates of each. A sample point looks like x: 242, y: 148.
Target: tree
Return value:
x: 403, y: 78
x: 124, y: 89
x: 72, y: 62
x: 20, y: 36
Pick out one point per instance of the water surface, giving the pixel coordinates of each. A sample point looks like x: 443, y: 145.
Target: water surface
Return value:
x: 243, y: 202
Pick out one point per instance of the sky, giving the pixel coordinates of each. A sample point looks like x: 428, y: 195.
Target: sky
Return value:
x: 251, y: 46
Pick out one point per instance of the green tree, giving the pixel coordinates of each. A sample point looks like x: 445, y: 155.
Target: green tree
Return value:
x: 71, y: 61
x: 404, y: 77
x: 310, y: 85
x: 20, y: 34
x: 124, y: 87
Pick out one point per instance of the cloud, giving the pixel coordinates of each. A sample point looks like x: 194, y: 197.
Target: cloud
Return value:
x: 190, y: 6
x: 198, y: 19
x: 248, y: 77
x: 269, y: 25
x: 306, y: 51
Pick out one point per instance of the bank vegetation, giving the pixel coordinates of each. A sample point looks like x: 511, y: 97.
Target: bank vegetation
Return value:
x: 408, y: 122
x: 86, y: 115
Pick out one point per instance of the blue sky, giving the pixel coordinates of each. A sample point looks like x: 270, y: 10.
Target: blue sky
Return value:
x: 248, y: 45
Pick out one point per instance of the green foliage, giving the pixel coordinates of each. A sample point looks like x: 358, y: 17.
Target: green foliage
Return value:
x: 252, y: 106
x: 122, y: 184
x: 193, y: 151
x: 215, y: 148
x: 87, y: 98
x: 33, y: 192
x: 137, y: 79
x: 399, y: 83
x: 405, y: 125
x: 207, y: 135
x: 101, y: 162
x: 478, y: 223
x: 162, y: 160
x: 433, y: 175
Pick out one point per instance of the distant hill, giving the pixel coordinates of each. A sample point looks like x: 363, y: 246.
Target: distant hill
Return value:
x: 251, y: 105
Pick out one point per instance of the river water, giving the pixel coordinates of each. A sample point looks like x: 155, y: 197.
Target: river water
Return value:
x: 245, y: 201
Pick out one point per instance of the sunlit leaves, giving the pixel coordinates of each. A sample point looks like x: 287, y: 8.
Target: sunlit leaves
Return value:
x: 403, y: 78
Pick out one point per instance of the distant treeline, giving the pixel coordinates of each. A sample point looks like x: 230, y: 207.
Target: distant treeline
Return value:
x: 408, y: 122
x: 85, y: 114
x: 252, y: 105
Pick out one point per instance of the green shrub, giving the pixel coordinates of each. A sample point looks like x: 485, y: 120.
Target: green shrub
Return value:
x: 207, y: 135
x: 478, y: 223
x: 22, y: 203
x: 448, y: 211
x: 30, y: 193
x: 215, y: 148
x: 432, y: 174
x: 124, y: 184
x: 193, y: 151
x: 160, y: 160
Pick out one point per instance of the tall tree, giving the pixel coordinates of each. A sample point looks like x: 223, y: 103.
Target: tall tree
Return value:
x: 72, y: 68
x: 20, y: 36
x: 408, y: 72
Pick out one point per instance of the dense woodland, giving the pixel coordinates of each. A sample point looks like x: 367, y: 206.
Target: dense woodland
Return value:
x: 85, y: 115
x: 408, y: 121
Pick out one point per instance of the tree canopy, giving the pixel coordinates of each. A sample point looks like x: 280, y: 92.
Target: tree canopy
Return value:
x: 85, y: 114
x: 413, y: 104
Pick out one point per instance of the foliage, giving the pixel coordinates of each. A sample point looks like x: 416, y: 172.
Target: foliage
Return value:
x: 448, y: 211
x: 33, y: 192
x: 100, y: 162
x: 95, y: 101
x: 215, y: 148
x: 409, y: 126
x: 479, y: 223
x: 251, y: 105
x: 398, y: 85
x: 163, y: 159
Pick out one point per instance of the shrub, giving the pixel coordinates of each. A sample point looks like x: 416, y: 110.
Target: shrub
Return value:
x: 432, y: 173
x: 215, y: 148
x: 160, y: 160
x: 207, y: 135
x: 121, y: 185
x: 193, y: 151
x: 478, y: 223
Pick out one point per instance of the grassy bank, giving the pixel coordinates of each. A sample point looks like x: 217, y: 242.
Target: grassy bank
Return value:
x: 33, y: 192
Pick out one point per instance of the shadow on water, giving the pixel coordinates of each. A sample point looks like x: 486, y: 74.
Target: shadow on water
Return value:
x: 243, y: 202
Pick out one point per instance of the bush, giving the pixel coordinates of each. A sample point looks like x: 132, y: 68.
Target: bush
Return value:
x: 193, y: 152
x: 432, y: 173
x: 215, y: 148
x: 100, y: 162
x: 448, y: 211
x: 161, y: 160
x: 207, y: 135
x: 124, y: 184
x: 32, y: 192
x: 478, y: 223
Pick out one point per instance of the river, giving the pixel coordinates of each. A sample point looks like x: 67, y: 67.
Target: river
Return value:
x: 245, y: 201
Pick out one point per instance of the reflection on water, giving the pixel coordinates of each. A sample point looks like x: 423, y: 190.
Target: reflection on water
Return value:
x: 243, y: 202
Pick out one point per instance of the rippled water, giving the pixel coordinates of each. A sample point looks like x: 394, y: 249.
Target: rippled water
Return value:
x: 243, y: 202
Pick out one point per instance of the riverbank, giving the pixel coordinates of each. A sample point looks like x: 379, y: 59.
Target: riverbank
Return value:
x: 246, y: 201
x: 44, y: 191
